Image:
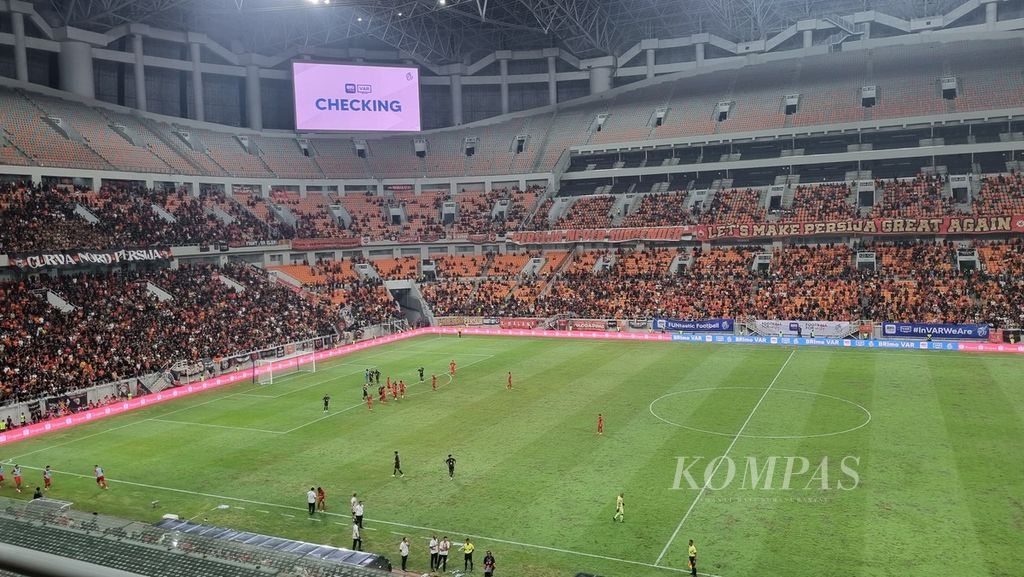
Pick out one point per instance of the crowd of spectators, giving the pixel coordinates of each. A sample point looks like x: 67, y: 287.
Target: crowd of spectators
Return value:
x: 336, y: 283
x: 667, y: 209
x: 820, y: 202
x: 42, y: 217
x: 45, y: 217
x: 917, y: 282
x: 119, y: 329
x: 588, y: 212
x: 1000, y: 195
x: 918, y: 197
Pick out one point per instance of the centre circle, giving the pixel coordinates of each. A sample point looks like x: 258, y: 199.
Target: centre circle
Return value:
x: 843, y: 416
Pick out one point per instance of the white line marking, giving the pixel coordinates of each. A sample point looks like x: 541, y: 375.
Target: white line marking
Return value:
x: 105, y: 431
x: 217, y: 426
x: 650, y: 408
x: 710, y: 477
x: 237, y: 507
x: 287, y: 515
x: 391, y: 523
x: 220, y: 398
x: 262, y: 511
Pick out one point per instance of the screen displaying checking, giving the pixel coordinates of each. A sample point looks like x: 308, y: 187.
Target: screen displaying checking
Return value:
x: 341, y: 97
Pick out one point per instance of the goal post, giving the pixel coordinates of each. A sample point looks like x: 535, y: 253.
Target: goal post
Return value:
x: 269, y: 370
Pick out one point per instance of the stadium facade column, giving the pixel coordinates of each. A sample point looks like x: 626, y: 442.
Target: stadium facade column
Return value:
x: 503, y: 67
x: 140, y: 73
x: 699, y: 47
x: 198, y: 107
x: 991, y: 13
x: 253, y: 97
x: 75, y: 63
x: 600, y: 79
x: 20, y: 51
x: 650, y: 63
x: 456, y: 84
x: 552, y: 81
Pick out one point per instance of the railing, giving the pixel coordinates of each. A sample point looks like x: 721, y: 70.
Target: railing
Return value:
x: 178, y: 372
x: 86, y: 535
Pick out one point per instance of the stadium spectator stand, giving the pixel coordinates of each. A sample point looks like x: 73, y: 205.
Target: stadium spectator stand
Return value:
x: 119, y: 329
x: 907, y: 79
x: 588, y: 212
x: 921, y: 196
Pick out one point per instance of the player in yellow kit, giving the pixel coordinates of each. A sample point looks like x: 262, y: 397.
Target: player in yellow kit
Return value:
x: 620, y: 509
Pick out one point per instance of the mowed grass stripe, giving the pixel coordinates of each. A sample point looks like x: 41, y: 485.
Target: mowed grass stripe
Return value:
x: 988, y: 478
x: 653, y: 447
x: 532, y: 471
x: 792, y: 526
x: 910, y: 477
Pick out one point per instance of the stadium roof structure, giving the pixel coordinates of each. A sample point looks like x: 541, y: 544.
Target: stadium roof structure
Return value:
x: 446, y: 31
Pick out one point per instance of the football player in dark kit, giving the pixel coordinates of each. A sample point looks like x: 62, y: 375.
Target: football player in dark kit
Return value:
x: 398, y: 466
x: 450, y: 461
x: 421, y: 374
x: 327, y: 402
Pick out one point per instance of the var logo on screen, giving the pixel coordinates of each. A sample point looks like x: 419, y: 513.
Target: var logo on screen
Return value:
x: 355, y: 98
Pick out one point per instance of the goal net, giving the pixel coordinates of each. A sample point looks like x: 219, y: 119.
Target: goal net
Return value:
x: 296, y: 361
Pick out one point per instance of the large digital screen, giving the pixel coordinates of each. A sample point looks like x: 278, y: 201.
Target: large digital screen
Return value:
x: 356, y: 98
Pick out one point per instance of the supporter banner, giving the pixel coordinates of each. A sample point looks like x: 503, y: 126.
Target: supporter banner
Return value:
x: 491, y: 322
x: 868, y: 226
x: 937, y: 330
x: 703, y: 326
x: 242, y: 243
x: 804, y: 328
x: 460, y: 321
x: 665, y: 233
x: 77, y: 258
x: 586, y: 324
x: 322, y: 243
x: 519, y: 323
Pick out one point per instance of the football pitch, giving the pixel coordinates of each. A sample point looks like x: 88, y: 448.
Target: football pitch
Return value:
x: 802, y: 462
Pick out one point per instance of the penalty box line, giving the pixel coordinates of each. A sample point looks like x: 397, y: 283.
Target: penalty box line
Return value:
x: 389, y: 523
x: 207, y: 402
x: 721, y: 460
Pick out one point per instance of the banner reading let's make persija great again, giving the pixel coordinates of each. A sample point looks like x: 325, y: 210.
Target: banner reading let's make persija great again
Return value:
x: 867, y: 226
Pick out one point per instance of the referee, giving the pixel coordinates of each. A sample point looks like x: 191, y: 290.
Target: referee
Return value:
x: 693, y: 559
x: 467, y: 549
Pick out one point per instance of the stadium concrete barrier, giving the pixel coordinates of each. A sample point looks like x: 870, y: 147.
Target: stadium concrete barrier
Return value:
x: 56, y: 424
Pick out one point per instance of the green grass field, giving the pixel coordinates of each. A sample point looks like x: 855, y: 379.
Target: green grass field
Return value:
x: 923, y: 475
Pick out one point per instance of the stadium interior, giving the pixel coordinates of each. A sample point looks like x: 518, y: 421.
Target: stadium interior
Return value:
x: 583, y: 165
